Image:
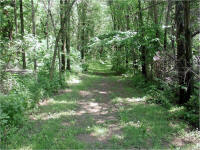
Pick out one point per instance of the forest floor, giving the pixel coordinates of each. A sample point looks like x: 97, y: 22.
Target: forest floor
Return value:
x: 101, y: 111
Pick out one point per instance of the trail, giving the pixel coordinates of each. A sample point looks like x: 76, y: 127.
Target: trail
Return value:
x: 98, y: 112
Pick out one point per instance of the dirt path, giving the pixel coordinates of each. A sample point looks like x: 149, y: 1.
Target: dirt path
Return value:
x: 96, y: 103
x: 99, y: 112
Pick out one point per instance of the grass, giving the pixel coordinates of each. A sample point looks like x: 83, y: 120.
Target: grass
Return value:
x: 99, y: 112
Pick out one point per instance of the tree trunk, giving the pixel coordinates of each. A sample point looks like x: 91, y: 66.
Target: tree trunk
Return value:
x: 34, y: 32
x: 54, y: 54
x: 47, y: 25
x: 15, y: 17
x: 180, y: 50
x: 62, y: 22
x: 188, y: 49
x: 143, y: 48
x: 166, y: 24
x: 68, y: 43
x: 51, y: 71
x: 22, y: 34
x: 127, y: 47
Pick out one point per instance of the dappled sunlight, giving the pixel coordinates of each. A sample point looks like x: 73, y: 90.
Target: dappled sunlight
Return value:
x: 176, y: 109
x: 63, y: 91
x: 47, y: 116
x: 128, y: 100
x: 74, y: 80
x: 136, y: 124
x: 26, y: 148
x: 92, y: 107
x: 102, y: 92
x: 133, y: 99
x: 101, y: 112
x: 62, y: 102
x: 118, y: 137
x: 99, y: 131
x: 46, y: 102
x: 85, y: 93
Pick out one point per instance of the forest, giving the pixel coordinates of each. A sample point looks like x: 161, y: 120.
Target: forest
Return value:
x: 99, y: 74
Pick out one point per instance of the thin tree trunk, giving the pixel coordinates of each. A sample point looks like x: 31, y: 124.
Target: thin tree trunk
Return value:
x: 143, y: 48
x: 51, y: 71
x: 166, y: 24
x: 15, y: 17
x: 188, y: 49
x: 68, y: 43
x: 155, y: 14
x: 54, y: 54
x: 127, y: 47
x: 34, y: 32
x: 63, y: 25
x: 22, y: 34
x: 47, y: 25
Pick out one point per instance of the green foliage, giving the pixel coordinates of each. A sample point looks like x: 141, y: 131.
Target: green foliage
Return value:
x: 158, y: 96
x: 26, y: 91
x: 85, y: 66
x: 118, y: 63
x: 192, y: 108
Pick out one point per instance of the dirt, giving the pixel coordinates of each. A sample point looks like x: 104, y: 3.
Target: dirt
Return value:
x: 96, y: 103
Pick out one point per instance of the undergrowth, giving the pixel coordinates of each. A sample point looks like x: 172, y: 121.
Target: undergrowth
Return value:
x: 25, y: 92
x: 164, y: 94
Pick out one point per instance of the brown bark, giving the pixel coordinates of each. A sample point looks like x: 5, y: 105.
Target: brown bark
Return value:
x: 15, y: 17
x: 62, y: 22
x: 33, y: 31
x: 166, y: 24
x: 22, y: 33
x: 188, y: 49
x: 180, y: 50
x: 143, y: 48
x: 51, y: 71
x: 68, y: 43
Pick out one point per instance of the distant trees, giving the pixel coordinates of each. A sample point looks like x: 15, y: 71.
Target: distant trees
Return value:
x: 141, y: 37
x: 152, y: 42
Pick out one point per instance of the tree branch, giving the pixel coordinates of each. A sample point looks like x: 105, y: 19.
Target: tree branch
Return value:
x: 195, y: 33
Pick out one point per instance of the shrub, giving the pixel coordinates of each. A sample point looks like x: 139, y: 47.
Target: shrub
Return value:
x: 26, y: 91
x: 192, y: 109
x: 85, y: 66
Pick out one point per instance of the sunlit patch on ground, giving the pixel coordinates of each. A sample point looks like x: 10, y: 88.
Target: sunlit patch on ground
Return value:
x: 85, y: 93
x: 74, y: 80
x: 99, y: 131
x: 63, y: 91
x: 62, y: 102
x: 136, y: 124
x: 119, y: 100
x: 46, y: 102
x: 92, y: 107
x: 47, y: 116
x: 192, y: 138
x: 26, y: 148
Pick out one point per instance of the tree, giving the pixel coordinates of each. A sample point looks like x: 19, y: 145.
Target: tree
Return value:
x: 58, y: 36
x: 143, y: 48
x: 22, y: 33
x: 184, y: 52
x: 33, y: 31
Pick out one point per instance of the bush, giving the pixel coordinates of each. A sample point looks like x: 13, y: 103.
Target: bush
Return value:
x: 12, y: 108
x: 118, y: 63
x: 85, y: 66
x: 26, y: 91
x: 192, y: 109
x: 158, y: 96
